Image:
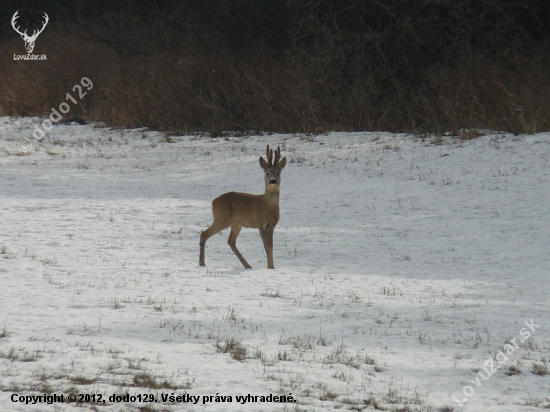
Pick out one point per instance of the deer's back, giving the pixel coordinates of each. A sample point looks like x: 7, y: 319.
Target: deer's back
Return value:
x: 235, y: 207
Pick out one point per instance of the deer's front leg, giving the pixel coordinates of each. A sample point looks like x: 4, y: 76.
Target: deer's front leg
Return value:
x: 267, y: 237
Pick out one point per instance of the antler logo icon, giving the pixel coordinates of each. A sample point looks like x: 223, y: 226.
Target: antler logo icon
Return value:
x: 29, y: 40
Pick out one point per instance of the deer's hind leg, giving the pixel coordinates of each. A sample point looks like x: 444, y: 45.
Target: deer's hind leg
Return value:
x: 216, y: 227
x: 232, y: 241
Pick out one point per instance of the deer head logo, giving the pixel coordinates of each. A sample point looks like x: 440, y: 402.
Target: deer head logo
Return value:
x: 29, y: 40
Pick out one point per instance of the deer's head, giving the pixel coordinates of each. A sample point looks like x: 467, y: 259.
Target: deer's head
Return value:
x: 272, y: 168
x: 29, y: 40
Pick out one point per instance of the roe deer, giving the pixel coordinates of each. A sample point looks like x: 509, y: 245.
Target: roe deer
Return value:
x: 238, y: 210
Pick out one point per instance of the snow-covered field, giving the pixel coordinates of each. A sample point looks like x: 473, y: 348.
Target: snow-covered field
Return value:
x: 402, y: 268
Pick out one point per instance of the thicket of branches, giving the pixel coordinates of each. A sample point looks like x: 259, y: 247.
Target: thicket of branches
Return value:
x: 302, y: 65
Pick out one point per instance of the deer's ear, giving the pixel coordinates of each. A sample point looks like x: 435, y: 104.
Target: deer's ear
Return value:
x: 263, y: 163
x: 282, y: 163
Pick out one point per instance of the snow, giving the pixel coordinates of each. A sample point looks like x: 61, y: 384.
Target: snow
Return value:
x: 402, y: 267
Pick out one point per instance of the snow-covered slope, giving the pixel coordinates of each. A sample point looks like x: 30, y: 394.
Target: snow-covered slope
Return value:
x: 402, y: 268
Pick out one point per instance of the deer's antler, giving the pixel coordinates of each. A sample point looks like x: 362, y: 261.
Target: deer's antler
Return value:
x: 269, y: 156
x: 272, y: 157
x: 277, y: 156
x: 13, y: 20
x: 36, y: 33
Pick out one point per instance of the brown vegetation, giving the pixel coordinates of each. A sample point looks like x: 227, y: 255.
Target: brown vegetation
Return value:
x: 303, y: 66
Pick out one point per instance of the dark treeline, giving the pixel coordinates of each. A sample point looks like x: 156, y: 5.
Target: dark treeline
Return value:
x: 304, y: 65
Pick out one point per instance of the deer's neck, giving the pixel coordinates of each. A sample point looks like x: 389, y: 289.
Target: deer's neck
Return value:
x: 271, y: 197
